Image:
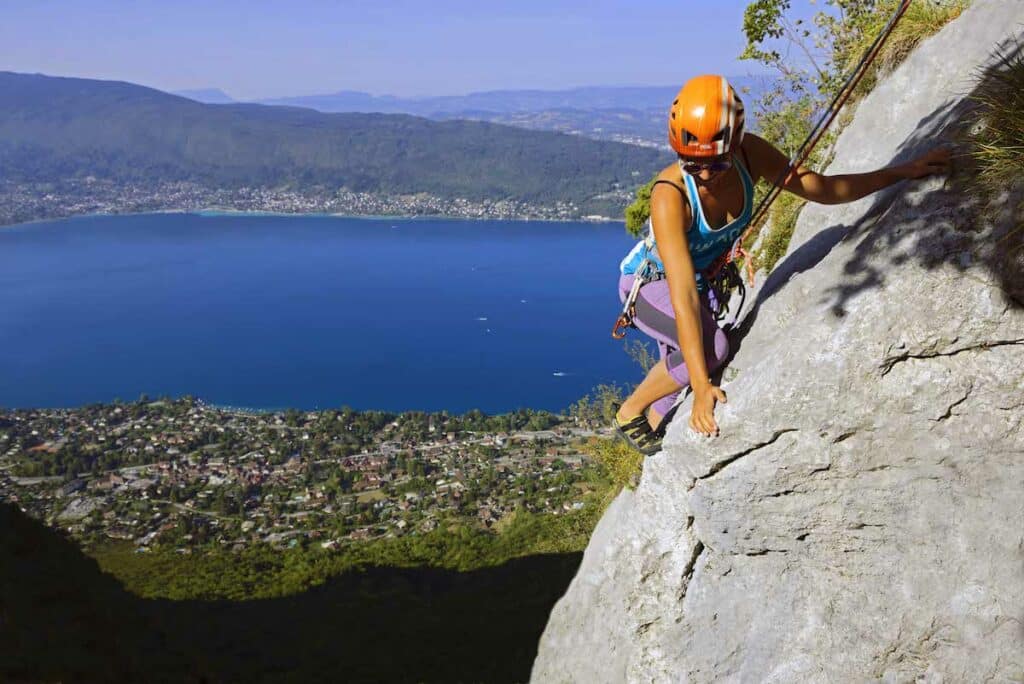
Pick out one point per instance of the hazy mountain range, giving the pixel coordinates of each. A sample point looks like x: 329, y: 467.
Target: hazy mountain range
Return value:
x: 207, y: 95
x: 634, y: 114
x: 506, y: 101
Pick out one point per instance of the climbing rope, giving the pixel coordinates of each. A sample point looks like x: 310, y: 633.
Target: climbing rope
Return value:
x: 803, y: 152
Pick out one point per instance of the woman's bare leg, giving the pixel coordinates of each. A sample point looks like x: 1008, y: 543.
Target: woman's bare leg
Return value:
x: 653, y: 418
x: 657, y: 384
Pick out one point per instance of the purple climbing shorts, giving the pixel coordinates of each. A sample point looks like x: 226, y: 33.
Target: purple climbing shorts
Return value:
x: 656, y: 318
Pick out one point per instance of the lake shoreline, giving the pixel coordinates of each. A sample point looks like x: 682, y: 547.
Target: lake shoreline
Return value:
x: 265, y: 411
x: 285, y: 214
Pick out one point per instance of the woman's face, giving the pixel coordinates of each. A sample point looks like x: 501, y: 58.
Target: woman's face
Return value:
x: 710, y: 178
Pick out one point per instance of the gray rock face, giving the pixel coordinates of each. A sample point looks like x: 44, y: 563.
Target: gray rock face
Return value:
x: 861, y: 516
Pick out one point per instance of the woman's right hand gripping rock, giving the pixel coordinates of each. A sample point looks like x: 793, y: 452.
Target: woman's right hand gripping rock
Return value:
x: 702, y: 414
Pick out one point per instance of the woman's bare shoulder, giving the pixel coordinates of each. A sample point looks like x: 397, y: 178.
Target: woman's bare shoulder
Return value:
x: 759, y: 154
x: 676, y: 203
x: 671, y: 173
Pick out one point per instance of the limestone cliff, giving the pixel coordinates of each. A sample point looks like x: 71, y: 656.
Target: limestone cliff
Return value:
x: 861, y: 516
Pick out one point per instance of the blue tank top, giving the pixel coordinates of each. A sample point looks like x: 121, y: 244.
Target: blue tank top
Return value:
x: 706, y: 243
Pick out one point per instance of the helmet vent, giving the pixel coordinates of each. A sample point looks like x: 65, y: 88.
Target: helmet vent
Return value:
x: 703, y: 103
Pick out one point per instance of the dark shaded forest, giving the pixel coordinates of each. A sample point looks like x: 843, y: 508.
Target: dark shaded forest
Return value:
x: 62, y: 619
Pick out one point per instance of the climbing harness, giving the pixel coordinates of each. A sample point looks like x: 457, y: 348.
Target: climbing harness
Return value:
x: 725, y: 282
x: 722, y: 276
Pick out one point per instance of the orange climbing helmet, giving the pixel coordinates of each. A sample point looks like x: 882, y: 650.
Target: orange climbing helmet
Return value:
x: 706, y: 118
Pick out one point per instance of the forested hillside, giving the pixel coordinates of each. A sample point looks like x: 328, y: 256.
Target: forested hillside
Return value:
x: 62, y: 619
x: 57, y: 128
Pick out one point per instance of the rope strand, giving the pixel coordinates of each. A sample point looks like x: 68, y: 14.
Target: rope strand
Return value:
x: 804, y: 151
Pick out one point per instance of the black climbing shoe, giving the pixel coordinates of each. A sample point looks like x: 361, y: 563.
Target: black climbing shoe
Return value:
x: 638, y: 434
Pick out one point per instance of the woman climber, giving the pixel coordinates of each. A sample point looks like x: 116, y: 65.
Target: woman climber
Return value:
x: 699, y: 206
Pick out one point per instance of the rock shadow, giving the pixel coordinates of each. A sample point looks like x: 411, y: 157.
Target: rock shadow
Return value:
x: 62, y: 619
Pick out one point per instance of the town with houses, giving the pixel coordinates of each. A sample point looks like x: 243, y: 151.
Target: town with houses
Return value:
x: 182, y: 473
x: 24, y: 202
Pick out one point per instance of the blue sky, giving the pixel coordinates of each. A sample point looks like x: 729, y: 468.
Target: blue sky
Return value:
x: 258, y: 49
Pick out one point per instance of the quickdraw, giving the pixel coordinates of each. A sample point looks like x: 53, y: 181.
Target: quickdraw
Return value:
x: 723, y: 276
x: 727, y: 281
x: 644, y: 274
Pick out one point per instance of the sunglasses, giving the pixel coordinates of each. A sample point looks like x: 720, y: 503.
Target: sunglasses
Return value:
x: 694, y: 167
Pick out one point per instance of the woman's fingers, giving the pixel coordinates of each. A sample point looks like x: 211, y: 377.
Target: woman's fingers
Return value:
x: 703, y: 423
x: 940, y: 160
x: 702, y: 415
x: 712, y: 426
x: 935, y: 161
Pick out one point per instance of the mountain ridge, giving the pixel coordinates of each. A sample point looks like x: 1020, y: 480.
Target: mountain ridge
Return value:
x: 504, y: 100
x: 59, y: 127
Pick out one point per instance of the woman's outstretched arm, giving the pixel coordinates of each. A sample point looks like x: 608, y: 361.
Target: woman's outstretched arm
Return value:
x: 668, y: 216
x: 769, y: 163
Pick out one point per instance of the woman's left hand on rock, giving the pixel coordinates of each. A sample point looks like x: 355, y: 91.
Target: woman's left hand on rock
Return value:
x: 933, y: 162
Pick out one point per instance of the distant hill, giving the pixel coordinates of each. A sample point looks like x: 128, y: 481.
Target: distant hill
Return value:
x: 53, y: 127
x: 504, y: 101
x: 633, y: 114
x: 207, y: 95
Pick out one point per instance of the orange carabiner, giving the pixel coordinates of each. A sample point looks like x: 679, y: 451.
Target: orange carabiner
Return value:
x: 619, y: 329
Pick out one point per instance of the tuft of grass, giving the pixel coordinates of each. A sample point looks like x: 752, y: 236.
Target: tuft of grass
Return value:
x: 994, y: 141
x: 621, y: 464
x: 998, y: 146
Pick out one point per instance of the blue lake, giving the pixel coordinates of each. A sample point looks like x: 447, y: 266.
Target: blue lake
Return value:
x: 310, y: 312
